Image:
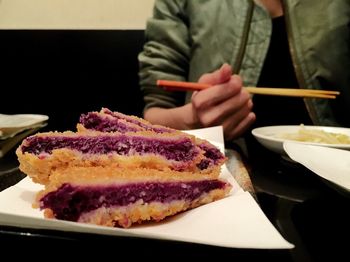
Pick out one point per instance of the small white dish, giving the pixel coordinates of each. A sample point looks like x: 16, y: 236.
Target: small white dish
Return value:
x: 10, y: 125
x: 20, y: 120
x: 269, y: 136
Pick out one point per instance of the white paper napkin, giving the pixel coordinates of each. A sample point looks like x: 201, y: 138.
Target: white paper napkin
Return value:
x: 236, y: 221
x: 329, y: 163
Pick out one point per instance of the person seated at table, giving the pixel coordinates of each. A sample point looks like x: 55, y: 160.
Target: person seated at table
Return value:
x: 231, y: 44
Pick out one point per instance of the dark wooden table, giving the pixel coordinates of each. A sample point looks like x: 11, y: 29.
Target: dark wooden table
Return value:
x: 308, y: 212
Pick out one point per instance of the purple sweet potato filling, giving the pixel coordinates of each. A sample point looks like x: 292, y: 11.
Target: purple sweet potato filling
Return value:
x: 95, y: 122
x: 181, y: 149
x: 212, y: 156
x: 139, y: 123
x: 69, y: 202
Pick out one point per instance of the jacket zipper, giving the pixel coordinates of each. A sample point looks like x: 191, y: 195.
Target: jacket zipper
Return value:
x: 298, y: 73
x: 246, y: 29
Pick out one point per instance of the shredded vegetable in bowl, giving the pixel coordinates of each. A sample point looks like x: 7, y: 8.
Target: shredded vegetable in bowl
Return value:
x: 316, y: 136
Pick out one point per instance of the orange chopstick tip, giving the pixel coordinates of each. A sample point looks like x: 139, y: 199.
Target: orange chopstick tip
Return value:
x: 181, y: 86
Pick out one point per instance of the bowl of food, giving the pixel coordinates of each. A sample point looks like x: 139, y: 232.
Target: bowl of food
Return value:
x: 273, y: 137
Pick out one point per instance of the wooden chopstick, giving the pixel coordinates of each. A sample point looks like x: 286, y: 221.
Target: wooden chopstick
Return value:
x: 297, y: 92
x: 293, y: 92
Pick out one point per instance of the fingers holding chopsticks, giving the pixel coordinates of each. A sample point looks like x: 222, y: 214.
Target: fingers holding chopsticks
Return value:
x: 222, y: 75
x: 220, y: 92
x: 225, y: 103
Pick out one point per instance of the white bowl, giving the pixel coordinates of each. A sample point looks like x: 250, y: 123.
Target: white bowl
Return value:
x: 268, y: 136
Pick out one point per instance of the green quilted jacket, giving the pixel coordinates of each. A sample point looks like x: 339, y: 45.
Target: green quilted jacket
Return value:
x: 187, y: 38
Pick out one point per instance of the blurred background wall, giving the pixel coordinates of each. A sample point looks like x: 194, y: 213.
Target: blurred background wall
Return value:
x: 66, y: 57
x: 74, y: 14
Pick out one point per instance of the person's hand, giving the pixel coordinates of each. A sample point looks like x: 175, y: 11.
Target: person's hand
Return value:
x: 226, y: 103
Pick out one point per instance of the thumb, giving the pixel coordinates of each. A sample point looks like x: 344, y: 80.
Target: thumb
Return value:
x: 219, y: 76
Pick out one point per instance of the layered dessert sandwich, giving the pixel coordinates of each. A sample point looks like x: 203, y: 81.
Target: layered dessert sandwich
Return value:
x: 116, y: 122
x: 120, y: 197
x: 118, y: 178
x: 108, y: 121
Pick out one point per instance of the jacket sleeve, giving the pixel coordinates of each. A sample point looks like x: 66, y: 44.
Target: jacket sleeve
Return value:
x: 165, y: 54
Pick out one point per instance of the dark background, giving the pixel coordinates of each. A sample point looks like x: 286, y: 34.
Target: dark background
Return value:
x: 63, y: 73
